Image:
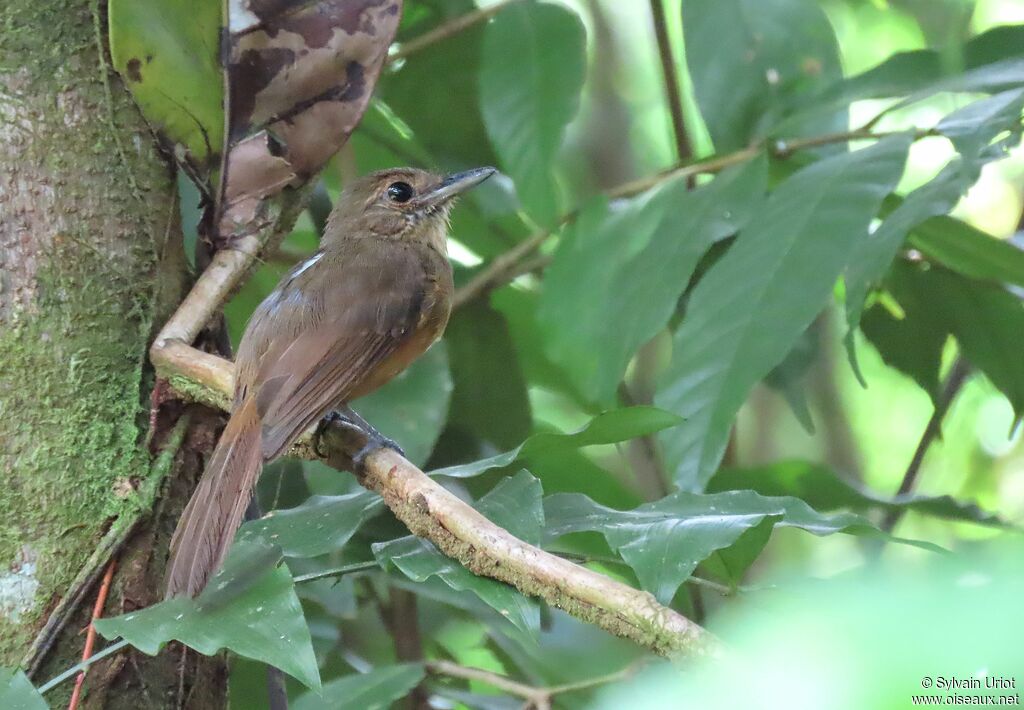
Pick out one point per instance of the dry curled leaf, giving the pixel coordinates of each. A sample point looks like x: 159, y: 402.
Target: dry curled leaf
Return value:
x: 300, y: 76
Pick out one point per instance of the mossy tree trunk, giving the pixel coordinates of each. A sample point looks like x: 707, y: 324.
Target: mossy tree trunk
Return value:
x: 90, y: 264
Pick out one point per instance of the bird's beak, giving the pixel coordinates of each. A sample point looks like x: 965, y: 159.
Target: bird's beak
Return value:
x: 454, y: 185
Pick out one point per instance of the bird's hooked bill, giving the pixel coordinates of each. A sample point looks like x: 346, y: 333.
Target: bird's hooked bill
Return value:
x: 455, y: 184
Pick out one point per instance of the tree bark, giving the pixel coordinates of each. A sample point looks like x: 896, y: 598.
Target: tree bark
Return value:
x: 91, y: 261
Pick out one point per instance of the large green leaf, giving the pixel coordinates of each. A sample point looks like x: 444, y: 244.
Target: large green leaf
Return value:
x: 969, y: 251
x: 664, y: 541
x: 320, y: 525
x: 514, y: 504
x: 751, y: 307
x: 607, y: 428
x: 17, y: 691
x: 911, y: 341
x: 971, y: 129
x: 249, y: 607
x: 378, y: 688
x: 751, y: 59
x: 628, y: 264
x: 490, y: 399
x: 987, y: 321
x: 531, y: 74
x: 412, y: 408
x: 169, y: 55
x: 823, y: 489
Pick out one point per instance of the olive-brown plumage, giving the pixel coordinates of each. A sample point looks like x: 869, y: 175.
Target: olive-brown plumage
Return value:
x: 342, y: 323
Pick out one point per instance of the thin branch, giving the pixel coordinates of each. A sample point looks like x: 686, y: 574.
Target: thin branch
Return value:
x: 536, y: 697
x: 673, y: 96
x: 954, y: 382
x: 337, y: 571
x: 447, y: 30
x: 505, y: 267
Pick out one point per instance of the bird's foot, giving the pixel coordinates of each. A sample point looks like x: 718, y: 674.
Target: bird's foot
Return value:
x: 374, y: 439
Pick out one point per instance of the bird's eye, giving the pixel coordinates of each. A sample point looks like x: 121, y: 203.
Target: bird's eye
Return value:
x: 400, y: 191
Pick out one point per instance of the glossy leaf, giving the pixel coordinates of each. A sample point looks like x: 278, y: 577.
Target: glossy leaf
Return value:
x: 823, y: 489
x: 17, y: 691
x: 320, y: 525
x: 168, y: 54
x: 664, y: 541
x: 250, y: 608
x: 514, y: 504
x: 751, y: 59
x: 378, y: 688
x: 627, y: 264
x: 607, y: 428
x: 532, y: 68
x: 752, y: 305
x: 413, y: 407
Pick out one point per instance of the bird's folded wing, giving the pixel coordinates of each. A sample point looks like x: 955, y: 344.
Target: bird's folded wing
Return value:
x: 372, y: 309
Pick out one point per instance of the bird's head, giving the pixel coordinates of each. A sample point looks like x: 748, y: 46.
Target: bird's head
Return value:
x: 400, y: 203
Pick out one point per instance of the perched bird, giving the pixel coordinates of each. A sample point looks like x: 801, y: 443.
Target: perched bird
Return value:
x: 342, y: 323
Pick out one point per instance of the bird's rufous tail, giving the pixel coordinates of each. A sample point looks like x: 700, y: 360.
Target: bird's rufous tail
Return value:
x: 211, y: 518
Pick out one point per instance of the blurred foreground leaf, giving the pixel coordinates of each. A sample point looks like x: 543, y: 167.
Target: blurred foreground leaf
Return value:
x: 249, y: 608
x: 17, y: 691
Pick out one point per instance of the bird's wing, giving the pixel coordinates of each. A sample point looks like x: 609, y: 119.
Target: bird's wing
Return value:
x: 372, y: 308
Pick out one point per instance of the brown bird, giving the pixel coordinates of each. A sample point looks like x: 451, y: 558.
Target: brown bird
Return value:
x: 342, y: 323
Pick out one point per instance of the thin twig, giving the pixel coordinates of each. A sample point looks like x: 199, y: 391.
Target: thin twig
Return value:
x: 933, y: 429
x: 673, y: 96
x: 538, y: 698
x: 448, y: 29
x: 90, y: 636
x: 505, y: 267
x: 337, y: 571
x: 70, y: 672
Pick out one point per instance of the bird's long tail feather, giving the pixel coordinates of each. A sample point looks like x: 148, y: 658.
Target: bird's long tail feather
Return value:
x: 208, y: 525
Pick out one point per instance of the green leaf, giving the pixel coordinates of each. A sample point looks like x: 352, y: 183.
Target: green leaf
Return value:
x: 607, y: 428
x: 168, y: 54
x: 490, y: 399
x: 751, y: 59
x: 531, y: 74
x: 912, y: 343
x: 971, y: 129
x: 514, y: 504
x: 628, y: 264
x: 787, y: 377
x: 320, y: 525
x: 378, y: 688
x: 987, y: 321
x: 969, y: 251
x: 823, y: 489
x: 750, y: 308
x: 413, y: 407
x: 924, y: 72
x: 664, y: 541
x: 17, y: 691
x: 249, y: 608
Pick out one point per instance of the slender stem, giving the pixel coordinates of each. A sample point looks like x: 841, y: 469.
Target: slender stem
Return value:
x: 448, y: 29
x: 536, y: 697
x: 70, y: 672
x: 954, y: 382
x: 337, y: 571
x: 505, y: 267
x: 673, y: 96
